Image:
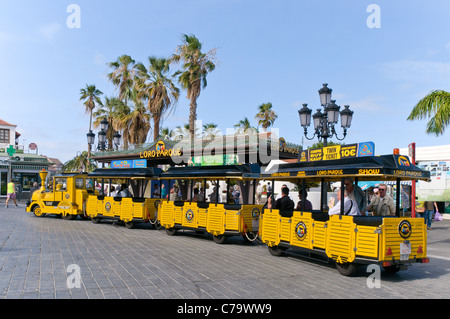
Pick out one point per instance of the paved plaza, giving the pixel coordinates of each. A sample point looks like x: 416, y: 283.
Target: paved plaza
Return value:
x: 40, y: 258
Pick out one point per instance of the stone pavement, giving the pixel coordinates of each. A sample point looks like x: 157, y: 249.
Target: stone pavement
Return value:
x: 41, y: 257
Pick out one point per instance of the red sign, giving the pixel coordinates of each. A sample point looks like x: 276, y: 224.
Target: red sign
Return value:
x: 32, y: 146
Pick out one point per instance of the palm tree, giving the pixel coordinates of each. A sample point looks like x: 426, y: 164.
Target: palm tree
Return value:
x: 91, y: 97
x: 196, y: 66
x: 109, y: 111
x: 122, y: 76
x: 155, y: 84
x: 122, y: 122
x: 210, y: 130
x: 79, y: 163
x: 139, y: 121
x: 437, y: 106
x: 167, y: 133
x: 245, y: 127
x: 266, y: 116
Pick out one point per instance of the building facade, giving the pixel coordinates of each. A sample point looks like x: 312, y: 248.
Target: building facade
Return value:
x: 17, y: 165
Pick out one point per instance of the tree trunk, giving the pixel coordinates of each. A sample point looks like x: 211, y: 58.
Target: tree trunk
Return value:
x: 156, y: 120
x: 192, y: 116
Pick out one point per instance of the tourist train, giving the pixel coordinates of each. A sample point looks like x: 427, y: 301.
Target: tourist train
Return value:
x: 224, y: 201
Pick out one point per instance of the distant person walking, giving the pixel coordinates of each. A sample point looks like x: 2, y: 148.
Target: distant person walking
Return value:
x: 11, y: 193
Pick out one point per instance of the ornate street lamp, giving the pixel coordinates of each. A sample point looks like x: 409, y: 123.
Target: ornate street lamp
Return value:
x: 324, y: 122
x: 102, y: 142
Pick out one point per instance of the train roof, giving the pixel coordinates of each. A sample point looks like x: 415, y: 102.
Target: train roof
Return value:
x: 385, y: 167
x: 142, y: 172
x: 242, y: 171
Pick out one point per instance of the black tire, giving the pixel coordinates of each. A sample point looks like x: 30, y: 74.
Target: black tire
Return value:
x: 347, y: 269
x: 130, y: 225
x: 276, y: 251
x: 219, y: 239
x: 95, y: 220
x: 171, y: 231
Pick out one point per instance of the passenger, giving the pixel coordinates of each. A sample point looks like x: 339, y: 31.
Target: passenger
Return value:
x: 212, y: 196
x: 350, y: 206
x: 308, y: 204
x: 156, y: 193
x: 236, y: 194
x: 196, y: 195
x: 116, y: 192
x: 382, y: 205
x: 284, y: 204
x: 124, y: 191
x: 279, y: 195
x: 163, y: 191
x: 112, y: 191
x: 356, y: 193
x: 174, y: 196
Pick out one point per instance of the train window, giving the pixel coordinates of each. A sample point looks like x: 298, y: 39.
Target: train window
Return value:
x: 89, y: 183
x: 60, y: 184
x: 79, y: 183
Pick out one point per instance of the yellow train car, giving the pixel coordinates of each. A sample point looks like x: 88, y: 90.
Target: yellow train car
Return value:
x: 66, y: 197
x: 130, y: 202
x: 219, y: 200
x: 393, y: 242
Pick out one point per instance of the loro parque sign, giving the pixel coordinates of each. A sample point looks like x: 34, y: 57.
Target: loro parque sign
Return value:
x: 160, y: 150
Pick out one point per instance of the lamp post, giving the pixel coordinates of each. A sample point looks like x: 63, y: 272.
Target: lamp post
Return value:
x: 102, y: 141
x: 324, y: 123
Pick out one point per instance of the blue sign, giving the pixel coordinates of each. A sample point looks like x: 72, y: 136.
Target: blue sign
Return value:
x: 129, y: 163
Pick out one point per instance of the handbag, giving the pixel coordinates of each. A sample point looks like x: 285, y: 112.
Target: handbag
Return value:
x: 437, y: 216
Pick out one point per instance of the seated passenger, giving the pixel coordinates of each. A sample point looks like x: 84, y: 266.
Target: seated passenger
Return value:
x: 284, y: 203
x: 124, y: 191
x: 308, y: 204
x: 350, y: 206
x: 196, y: 197
x: 174, y: 196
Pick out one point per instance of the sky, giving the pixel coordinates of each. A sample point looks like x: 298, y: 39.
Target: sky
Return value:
x: 380, y: 62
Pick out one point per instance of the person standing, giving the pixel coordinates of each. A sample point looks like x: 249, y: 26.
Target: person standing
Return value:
x: 428, y: 214
x: 382, y: 205
x: 11, y: 193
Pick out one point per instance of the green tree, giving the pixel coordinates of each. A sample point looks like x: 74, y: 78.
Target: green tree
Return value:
x: 244, y: 126
x: 91, y: 96
x: 139, y: 121
x: 79, y: 163
x: 210, y: 130
x: 195, y: 67
x: 435, y: 106
x: 109, y: 111
x: 266, y: 116
x: 122, y: 76
x: 155, y: 84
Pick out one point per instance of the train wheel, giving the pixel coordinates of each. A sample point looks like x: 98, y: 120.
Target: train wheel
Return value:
x: 156, y: 224
x: 275, y: 250
x: 37, y: 211
x: 95, y: 220
x: 130, y: 225
x: 347, y: 269
x: 219, y: 239
x: 171, y: 231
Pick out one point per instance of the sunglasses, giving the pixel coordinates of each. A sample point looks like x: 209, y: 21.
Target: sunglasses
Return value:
x: 382, y: 189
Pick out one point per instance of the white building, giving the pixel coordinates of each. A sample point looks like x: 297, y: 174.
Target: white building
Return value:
x: 435, y: 159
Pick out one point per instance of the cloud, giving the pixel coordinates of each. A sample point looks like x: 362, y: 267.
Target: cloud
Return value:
x: 372, y: 104
x: 49, y: 31
x: 421, y: 72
